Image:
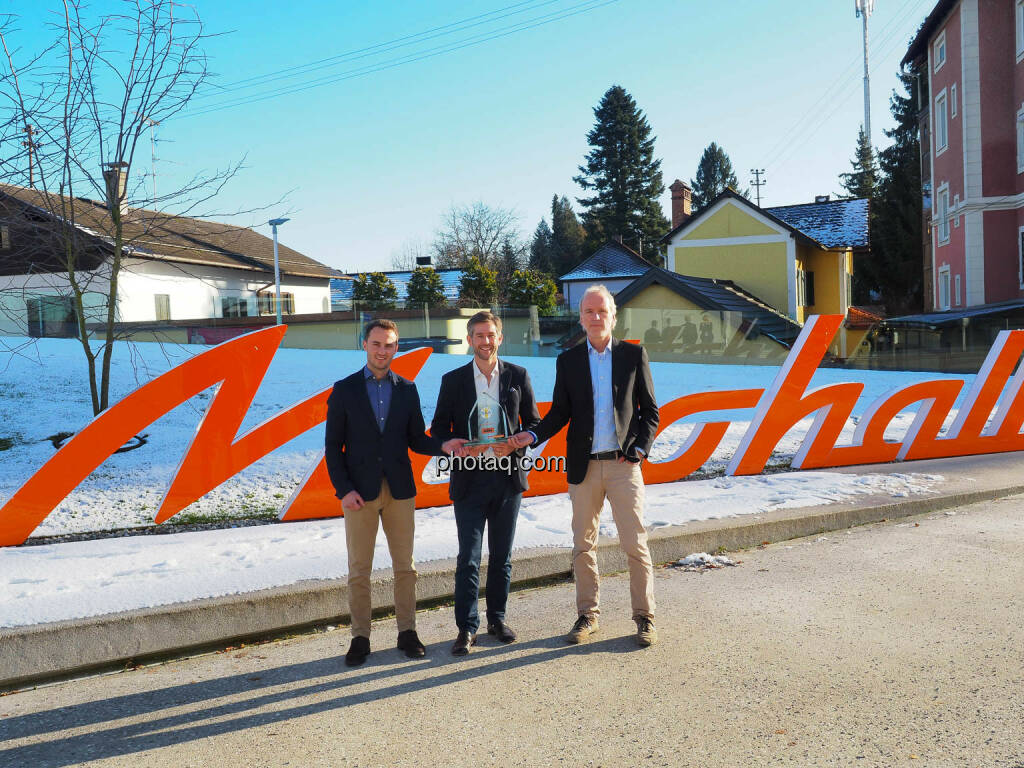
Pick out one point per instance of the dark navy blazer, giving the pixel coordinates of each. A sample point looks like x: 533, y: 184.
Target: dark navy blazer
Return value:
x: 358, y: 454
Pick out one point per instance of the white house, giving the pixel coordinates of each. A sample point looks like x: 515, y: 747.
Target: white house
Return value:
x: 174, y: 267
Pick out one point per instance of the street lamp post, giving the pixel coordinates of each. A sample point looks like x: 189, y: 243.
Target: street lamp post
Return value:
x: 274, y: 224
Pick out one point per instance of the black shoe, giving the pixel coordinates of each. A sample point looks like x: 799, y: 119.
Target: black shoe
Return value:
x: 409, y: 642
x: 358, y: 651
x: 502, y: 631
x: 463, y: 642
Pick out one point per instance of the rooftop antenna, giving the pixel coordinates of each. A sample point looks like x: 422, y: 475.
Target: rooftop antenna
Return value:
x: 864, y: 9
x: 32, y: 146
x: 152, y: 149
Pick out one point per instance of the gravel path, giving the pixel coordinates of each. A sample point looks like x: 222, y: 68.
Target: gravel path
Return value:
x: 891, y: 644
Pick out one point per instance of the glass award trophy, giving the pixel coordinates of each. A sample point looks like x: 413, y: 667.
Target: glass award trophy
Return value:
x: 487, y: 421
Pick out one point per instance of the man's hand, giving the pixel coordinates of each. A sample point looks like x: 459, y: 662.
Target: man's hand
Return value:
x: 352, y: 500
x: 634, y: 457
x: 520, y: 440
x: 503, y: 448
x: 455, y: 446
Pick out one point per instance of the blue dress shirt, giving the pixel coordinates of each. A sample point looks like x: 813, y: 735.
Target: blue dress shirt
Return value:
x: 379, y: 392
x: 604, y: 408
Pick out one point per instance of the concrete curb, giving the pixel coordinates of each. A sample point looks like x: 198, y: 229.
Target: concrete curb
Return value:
x: 60, y: 649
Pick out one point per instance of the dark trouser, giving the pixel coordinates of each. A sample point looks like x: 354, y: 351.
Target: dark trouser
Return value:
x: 492, y: 500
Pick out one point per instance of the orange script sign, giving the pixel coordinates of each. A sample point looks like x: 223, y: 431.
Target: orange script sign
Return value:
x: 238, y: 367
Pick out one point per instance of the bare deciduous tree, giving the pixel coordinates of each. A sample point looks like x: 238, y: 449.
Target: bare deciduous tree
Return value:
x: 404, y: 259
x: 75, y: 194
x: 475, y: 230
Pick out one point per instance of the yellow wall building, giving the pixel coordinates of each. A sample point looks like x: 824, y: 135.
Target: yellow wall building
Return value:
x: 798, y: 259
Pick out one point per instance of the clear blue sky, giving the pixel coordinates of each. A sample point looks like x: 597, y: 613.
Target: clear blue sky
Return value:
x: 373, y: 161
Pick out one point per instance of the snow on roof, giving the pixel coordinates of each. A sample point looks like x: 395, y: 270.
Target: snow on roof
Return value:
x: 610, y: 260
x: 834, y: 223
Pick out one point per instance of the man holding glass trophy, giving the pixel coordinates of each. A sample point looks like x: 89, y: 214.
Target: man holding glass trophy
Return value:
x: 485, y: 402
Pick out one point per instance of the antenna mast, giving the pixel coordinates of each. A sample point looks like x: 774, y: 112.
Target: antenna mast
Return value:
x: 864, y: 9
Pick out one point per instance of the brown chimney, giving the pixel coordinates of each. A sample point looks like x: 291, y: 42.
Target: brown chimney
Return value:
x: 681, y: 194
x: 116, y: 181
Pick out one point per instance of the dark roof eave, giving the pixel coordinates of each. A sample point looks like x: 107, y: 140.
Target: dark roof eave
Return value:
x: 152, y: 256
x: 919, y: 45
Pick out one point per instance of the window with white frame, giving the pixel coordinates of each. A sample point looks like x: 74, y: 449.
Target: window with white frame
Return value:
x: 952, y: 100
x: 1020, y: 139
x: 942, y: 214
x: 956, y: 289
x: 944, y: 287
x: 940, y: 51
x: 941, y: 122
x: 1020, y: 29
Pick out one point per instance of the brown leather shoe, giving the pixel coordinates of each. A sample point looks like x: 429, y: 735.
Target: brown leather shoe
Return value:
x: 463, y: 643
x: 646, y: 634
x: 584, y: 627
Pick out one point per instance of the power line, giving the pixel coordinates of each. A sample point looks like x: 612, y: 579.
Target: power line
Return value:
x: 794, y: 142
x: 584, y: 7
x: 378, y: 48
x: 804, y: 128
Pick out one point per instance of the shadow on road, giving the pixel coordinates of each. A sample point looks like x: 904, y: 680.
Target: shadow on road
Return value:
x: 255, y: 699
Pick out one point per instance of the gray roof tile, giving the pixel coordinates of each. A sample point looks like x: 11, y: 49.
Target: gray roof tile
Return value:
x: 610, y: 260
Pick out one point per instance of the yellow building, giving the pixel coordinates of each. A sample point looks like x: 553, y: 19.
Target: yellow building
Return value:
x: 798, y: 258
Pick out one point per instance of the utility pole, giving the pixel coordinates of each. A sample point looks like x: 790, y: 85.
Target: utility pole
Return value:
x: 758, y: 182
x: 864, y: 8
x: 32, y: 145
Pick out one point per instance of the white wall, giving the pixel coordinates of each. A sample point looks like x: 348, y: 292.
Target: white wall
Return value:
x: 573, y: 290
x: 194, y: 292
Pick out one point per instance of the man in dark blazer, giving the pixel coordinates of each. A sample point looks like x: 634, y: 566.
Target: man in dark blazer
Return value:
x: 486, y: 488
x: 373, y: 419
x: 604, y: 392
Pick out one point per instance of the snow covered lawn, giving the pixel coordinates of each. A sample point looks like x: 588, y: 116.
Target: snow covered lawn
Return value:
x: 42, y: 393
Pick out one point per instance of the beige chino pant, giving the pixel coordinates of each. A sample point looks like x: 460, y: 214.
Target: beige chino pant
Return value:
x: 623, y: 485
x: 397, y: 518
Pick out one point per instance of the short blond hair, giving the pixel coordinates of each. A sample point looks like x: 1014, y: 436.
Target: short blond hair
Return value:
x: 601, y: 289
x: 484, y: 316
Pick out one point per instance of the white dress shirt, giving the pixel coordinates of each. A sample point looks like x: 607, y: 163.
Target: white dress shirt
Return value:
x: 490, y: 386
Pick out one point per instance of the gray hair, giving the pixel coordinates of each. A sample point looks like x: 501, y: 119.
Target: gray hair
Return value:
x: 599, y: 288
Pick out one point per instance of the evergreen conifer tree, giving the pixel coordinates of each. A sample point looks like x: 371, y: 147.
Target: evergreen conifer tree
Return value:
x: 478, y: 286
x: 510, y: 259
x: 567, y: 236
x: 714, y: 174
x: 626, y: 179
x: 862, y: 181
x: 425, y: 288
x: 526, y: 287
x: 894, y: 269
x: 541, y: 255
x: 373, y: 290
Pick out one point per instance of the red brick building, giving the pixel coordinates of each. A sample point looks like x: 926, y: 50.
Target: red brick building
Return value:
x: 971, y: 53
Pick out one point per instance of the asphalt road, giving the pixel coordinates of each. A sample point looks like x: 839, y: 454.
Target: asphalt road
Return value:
x: 890, y: 644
